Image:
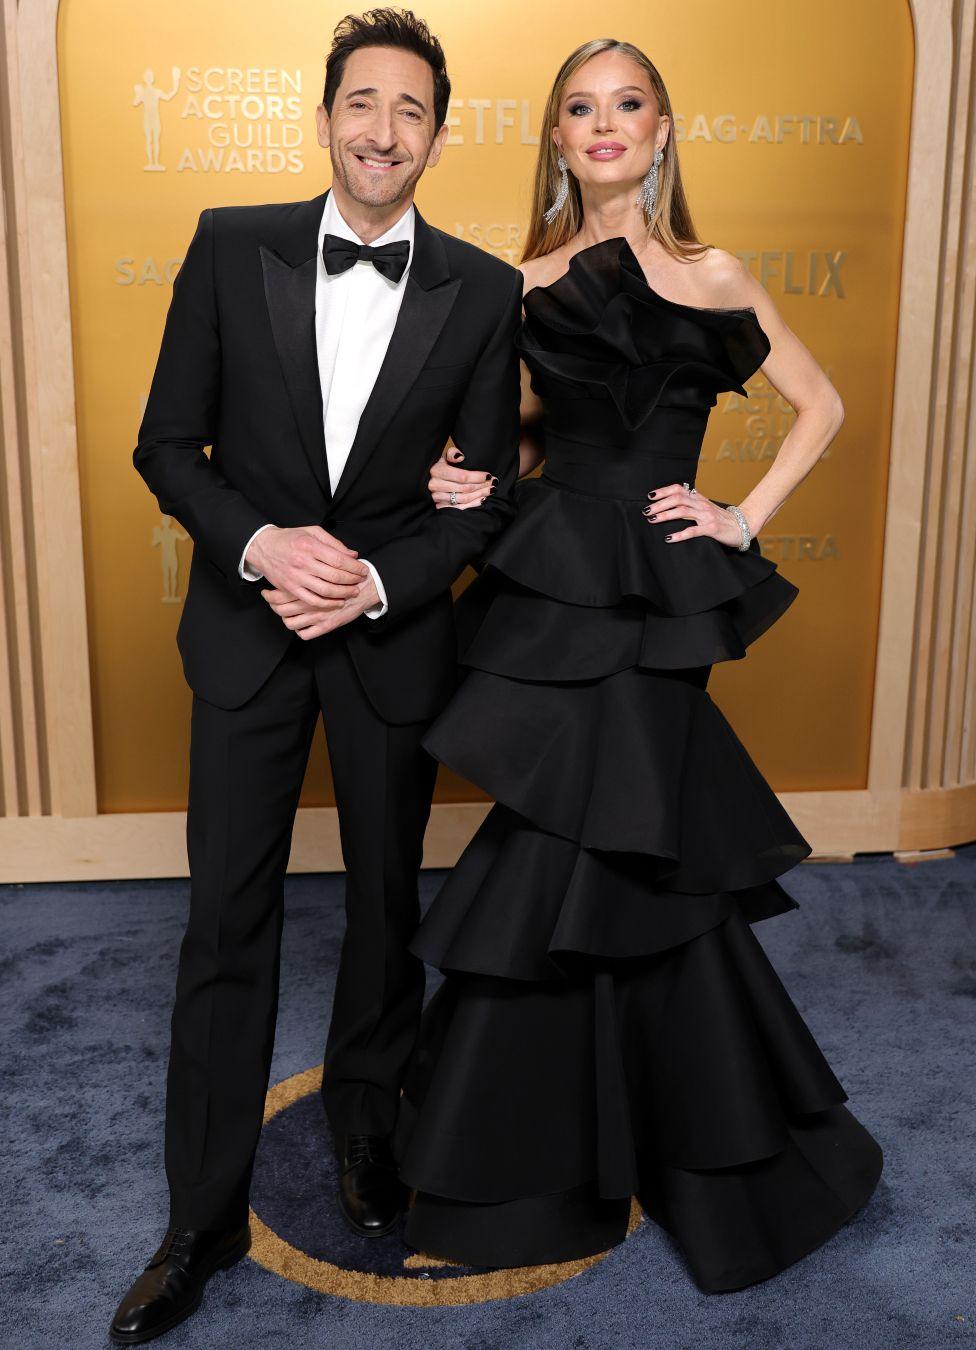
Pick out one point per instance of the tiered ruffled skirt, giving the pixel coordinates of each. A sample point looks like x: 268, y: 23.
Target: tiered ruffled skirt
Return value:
x: 609, y: 1026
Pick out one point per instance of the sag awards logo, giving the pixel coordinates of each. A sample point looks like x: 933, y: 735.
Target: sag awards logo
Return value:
x: 297, y: 1235
x: 222, y: 119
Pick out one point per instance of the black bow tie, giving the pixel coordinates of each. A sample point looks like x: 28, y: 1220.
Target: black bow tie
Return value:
x: 388, y: 259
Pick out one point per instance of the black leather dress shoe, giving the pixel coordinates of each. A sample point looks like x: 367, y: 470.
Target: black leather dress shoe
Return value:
x: 371, y: 1194
x: 171, y: 1286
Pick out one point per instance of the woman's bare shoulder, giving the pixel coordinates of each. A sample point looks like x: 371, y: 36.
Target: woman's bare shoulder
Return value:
x: 726, y: 279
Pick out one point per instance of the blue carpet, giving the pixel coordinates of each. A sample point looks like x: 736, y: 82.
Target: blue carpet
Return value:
x: 880, y: 959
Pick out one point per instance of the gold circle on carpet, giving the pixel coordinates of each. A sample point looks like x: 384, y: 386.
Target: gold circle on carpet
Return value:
x: 275, y: 1254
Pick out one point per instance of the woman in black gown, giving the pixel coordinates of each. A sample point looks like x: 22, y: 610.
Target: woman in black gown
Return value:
x: 609, y: 1026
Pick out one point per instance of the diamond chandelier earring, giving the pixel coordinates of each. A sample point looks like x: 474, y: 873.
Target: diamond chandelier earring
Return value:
x: 648, y: 191
x: 560, y: 201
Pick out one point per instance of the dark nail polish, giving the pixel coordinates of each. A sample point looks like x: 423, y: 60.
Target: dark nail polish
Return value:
x: 487, y: 477
x: 491, y: 489
x: 651, y: 516
x: 667, y: 539
x: 652, y: 495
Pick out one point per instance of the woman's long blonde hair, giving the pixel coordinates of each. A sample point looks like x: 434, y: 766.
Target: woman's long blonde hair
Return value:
x: 671, y: 223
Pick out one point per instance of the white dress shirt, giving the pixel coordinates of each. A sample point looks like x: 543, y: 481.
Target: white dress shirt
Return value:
x: 355, y: 314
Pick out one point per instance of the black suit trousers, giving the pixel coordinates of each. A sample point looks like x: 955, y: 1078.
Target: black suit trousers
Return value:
x: 247, y: 765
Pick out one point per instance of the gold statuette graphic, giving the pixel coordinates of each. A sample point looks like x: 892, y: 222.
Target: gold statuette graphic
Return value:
x: 164, y: 537
x: 150, y: 97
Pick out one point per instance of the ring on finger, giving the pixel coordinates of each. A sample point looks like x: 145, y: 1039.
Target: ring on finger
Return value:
x: 453, y: 498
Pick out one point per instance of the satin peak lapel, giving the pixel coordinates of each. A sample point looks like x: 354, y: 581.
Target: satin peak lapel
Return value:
x: 290, y: 294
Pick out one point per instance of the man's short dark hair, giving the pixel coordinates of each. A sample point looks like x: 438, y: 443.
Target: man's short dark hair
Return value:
x: 387, y: 28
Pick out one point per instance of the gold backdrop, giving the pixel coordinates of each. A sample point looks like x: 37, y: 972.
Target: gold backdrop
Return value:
x: 793, y: 131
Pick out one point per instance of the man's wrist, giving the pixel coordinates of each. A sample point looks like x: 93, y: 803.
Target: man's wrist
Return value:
x: 245, y: 570
x: 376, y: 611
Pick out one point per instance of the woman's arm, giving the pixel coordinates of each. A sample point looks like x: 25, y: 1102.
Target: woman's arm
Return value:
x: 794, y: 373
x: 472, y: 486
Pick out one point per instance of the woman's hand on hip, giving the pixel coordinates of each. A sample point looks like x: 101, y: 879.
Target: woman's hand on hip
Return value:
x: 676, y: 502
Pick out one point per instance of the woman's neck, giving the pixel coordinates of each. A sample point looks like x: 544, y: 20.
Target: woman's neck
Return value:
x: 613, y: 217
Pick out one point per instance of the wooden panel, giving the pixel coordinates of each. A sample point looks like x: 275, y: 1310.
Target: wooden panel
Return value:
x: 24, y: 782
x: 938, y: 746
x: 153, y: 844
x: 54, y: 582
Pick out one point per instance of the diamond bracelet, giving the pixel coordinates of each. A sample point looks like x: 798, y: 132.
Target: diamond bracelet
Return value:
x: 743, y: 526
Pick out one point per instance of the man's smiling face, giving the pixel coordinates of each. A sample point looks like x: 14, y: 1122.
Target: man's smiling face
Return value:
x: 380, y: 135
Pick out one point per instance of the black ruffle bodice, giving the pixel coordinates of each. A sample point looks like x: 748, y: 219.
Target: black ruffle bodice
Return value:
x: 600, y: 332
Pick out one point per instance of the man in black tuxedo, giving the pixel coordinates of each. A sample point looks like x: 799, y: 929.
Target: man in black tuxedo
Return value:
x: 326, y: 350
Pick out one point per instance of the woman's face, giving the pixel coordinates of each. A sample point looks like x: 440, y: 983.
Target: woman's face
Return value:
x: 609, y: 125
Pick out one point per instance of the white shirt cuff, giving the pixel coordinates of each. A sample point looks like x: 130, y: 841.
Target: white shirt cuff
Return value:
x: 243, y: 571
x: 379, y: 610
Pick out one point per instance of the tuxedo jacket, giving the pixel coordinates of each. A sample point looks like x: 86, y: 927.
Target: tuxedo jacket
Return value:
x: 238, y: 372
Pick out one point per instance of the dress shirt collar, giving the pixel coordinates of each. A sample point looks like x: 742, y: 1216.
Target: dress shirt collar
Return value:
x: 333, y: 222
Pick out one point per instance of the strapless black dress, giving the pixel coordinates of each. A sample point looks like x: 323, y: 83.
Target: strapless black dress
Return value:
x: 609, y: 1025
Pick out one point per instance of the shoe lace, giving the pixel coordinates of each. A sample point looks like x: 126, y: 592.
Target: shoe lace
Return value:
x: 365, y: 1148
x: 177, y: 1242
